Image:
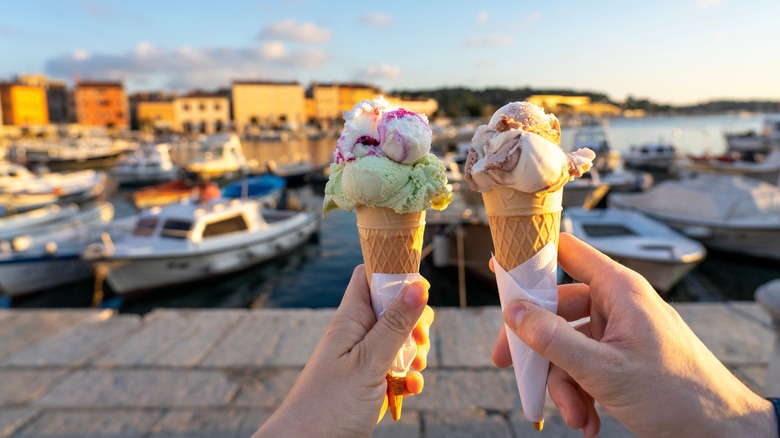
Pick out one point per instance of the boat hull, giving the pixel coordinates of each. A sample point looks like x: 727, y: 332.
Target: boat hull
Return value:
x: 24, y: 276
x: 755, y: 242
x: 133, y: 275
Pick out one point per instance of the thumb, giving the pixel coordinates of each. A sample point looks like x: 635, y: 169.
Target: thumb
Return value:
x: 553, y: 338
x: 391, y: 330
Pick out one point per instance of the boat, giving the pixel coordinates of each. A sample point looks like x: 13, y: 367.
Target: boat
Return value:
x: 297, y: 172
x: 183, y: 243
x: 78, y: 186
x: 149, y: 164
x: 221, y: 156
x: 50, y: 219
x: 593, y: 135
x: 586, y: 192
x: 20, y: 202
x: 72, y: 154
x: 651, y: 156
x: 267, y: 189
x: 45, y: 260
x: 767, y: 169
x: 756, y: 143
x: 182, y: 190
x: 662, y: 255
x: 724, y: 212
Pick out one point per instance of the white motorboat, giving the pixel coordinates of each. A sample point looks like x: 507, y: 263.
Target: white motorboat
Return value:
x: 586, y: 191
x: 66, y: 187
x: 751, y: 143
x: 72, y: 154
x: 662, y: 255
x: 593, y: 135
x: 186, y: 242
x: 149, y: 164
x: 45, y: 260
x: 651, y: 156
x: 221, y: 155
x: 728, y: 213
x: 766, y: 170
x: 52, y: 218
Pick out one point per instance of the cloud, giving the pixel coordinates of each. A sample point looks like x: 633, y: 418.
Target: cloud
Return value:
x: 489, y: 41
x: 483, y: 17
x: 706, y: 4
x: 378, y: 73
x: 290, y: 30
x: 188, y: 66
x: 376, y: 20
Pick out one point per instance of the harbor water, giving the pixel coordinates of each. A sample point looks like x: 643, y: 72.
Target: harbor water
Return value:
x: 316, y: 274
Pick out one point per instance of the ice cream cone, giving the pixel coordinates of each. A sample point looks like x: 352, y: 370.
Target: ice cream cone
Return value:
x: 521, y: 225
x: 391, y: 244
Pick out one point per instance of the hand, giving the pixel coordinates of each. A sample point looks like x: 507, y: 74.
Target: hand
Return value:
x: 342, y: 390
x: 635, y: 356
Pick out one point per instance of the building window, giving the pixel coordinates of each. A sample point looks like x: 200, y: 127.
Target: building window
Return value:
x: 203, y: 107
x: 186, y: 107
x: 217, y: 107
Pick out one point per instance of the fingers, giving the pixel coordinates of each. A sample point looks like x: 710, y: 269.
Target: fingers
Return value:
x: 501, y: 356
x: 563, y: 392
x: 574, y: 301
x: 384, y: 340
x: 553, y: 338
x: 356, y: 302
x: 414, y: 383
x: 581, y: 261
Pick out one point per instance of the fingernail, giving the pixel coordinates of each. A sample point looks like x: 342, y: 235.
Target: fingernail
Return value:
x: 514, y: 314
x: 415, y: 295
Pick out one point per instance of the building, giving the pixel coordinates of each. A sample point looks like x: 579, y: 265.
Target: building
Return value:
x: 158, y: 115
x: 350, y: 94
x: 201, y: 112
x: 325, y: 102
x: 573, y: 104
x: 23, y: 105
x: 60, y: 103
x: 422, y: 105
x: 101, y: 103
x: 266, y: 104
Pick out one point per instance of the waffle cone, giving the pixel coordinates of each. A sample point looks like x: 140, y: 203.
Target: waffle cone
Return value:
x: 391, y: 242
x: 521, y: 224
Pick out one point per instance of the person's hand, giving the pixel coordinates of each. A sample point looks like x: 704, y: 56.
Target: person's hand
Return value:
x: 342, y: 390
x: 635, y: 356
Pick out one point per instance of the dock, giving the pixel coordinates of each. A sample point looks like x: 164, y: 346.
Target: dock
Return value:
x: 92, y: 373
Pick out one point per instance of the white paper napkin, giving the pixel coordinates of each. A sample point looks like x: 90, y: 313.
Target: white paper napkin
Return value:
x: 384, y: 289
x: 534, y: 281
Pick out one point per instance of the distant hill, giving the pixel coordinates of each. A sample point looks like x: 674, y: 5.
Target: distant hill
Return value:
x: 465, y: 102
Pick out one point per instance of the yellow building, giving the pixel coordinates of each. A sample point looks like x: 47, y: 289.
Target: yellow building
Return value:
x: 325, y: 101
x: 425, y: 106
x: 23, y: 104
x: 350, y: 94
x: 268, y: 104
x: 573, y: 104
x: 202, y: 112
x: 156, y: 114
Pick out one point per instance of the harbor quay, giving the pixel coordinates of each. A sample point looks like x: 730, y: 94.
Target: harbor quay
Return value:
x: 221, y: 373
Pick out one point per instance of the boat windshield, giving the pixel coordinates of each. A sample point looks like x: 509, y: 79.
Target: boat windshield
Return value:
x: 608, y: 230
x: 176, y: 229
x: 145, y: 226
x: 226, y: 226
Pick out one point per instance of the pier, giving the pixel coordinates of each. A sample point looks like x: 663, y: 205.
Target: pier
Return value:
x: 220, y: 373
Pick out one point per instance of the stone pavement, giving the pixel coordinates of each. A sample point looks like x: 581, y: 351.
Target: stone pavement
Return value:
x: 220, y: 373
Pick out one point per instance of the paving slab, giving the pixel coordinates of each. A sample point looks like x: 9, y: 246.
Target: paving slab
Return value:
x: 264, y: 388
x: 211, y: 423
x: 409, y: 426
x: 173, y: 338
x: 140, y: 388
x: 465, y: 337
x: 22, y: 328
x: 465, y: 423
x: 75, y: 345
x: 93, y: 424
x: 23, y: 386
x: 555, y: 427
x: 453, y: 390
x: 752, y: 310
x: 13, y: 419
x: 732, y: 337
x: 252, y: 341
x: 301, y: 335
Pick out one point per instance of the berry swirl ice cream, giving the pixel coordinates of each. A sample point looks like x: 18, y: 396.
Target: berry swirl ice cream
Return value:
x: 383, y: 159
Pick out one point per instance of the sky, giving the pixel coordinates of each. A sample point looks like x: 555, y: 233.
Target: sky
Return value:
x: 669, y: 51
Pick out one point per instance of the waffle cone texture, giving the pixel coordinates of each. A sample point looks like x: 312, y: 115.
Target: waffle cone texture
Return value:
x: 391, y: 242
